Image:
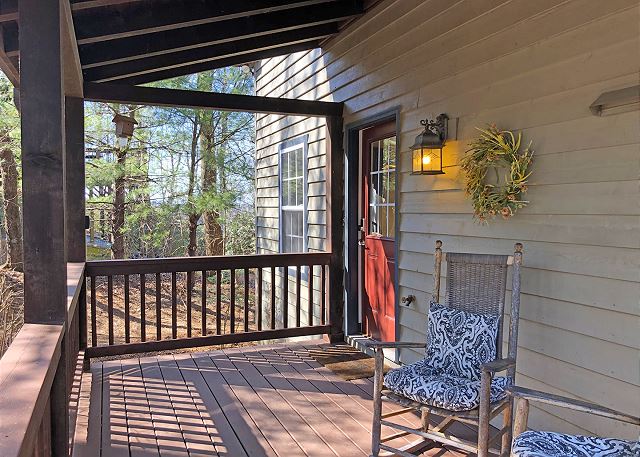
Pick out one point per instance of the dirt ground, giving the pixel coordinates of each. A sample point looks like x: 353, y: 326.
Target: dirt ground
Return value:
x: 102, y: 321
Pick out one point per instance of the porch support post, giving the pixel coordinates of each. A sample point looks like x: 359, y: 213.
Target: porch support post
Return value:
x: 335, y: 225
x: 74, y: 179
x: 42, y: 119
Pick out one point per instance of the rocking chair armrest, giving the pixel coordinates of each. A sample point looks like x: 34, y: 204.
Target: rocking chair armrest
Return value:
x: 571, y: 403
x: 498, y: 365
x: 393, y: 345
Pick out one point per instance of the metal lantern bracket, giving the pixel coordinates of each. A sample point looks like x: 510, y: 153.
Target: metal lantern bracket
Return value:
x: 440, y: 126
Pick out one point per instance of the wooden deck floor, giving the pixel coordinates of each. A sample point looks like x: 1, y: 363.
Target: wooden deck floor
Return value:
x: 252, y: 401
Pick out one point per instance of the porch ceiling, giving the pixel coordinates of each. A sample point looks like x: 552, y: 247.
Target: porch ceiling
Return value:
x: 141, y: 41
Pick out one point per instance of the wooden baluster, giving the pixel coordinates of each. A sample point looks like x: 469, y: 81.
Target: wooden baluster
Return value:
x: 94, y: 334
x: 174, y: 305
x: 203, y: 299
x: 273, y: 298
x: 110, y: 307
x: 218, y: 302
x: 232, y: 301
x: 259, y: 299
x: 310, y: 304
x: 246, y: 300
x: 298, y: 293
x: 189, y: 291
x: 285, y: 297
x: 143, y: 308
x: 127, y: 312
x: 158, y: 306
x: 323, y: 295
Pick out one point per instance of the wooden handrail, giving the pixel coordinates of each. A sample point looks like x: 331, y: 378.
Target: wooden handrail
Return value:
x: 181, y: 264
x: 27, y: 371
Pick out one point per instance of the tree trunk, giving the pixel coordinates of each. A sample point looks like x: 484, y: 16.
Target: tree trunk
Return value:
x: 12, y: 221
x: 194, y: 214
x: 117, y: 228
x: 213, y: 241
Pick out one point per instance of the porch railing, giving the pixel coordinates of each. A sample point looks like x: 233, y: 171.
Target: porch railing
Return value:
x: 39, y: 382
x: 171, y: 303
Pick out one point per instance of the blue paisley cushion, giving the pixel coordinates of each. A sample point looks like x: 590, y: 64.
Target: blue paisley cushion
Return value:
x: 551, y: 444
x: 422, y: 383
x: 458, y: 342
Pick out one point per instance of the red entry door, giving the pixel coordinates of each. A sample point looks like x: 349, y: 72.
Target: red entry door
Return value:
x: 378, y: 230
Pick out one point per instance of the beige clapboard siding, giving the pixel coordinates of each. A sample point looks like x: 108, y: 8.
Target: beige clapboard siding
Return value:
x: 528, y: 66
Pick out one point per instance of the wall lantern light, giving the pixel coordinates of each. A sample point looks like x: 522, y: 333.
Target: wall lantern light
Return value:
x: 124, y: 128
x: 427, y: 150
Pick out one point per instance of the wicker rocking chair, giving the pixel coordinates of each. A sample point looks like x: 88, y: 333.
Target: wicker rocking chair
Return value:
x: 476, y: 285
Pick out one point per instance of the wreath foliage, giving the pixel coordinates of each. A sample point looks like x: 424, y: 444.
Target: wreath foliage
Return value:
x: 498, y: 150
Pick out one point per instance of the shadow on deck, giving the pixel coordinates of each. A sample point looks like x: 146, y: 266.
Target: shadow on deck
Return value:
x: 249, y: 401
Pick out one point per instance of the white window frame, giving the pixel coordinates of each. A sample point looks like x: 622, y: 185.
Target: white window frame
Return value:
x: 288, y: 146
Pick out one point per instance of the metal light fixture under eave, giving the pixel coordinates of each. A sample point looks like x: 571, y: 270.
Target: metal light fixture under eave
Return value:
x: 427, y: 150
x: 124, y: 128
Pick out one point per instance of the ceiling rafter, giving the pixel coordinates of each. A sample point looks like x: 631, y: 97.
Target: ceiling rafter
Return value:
x: 141, y: 20
x: 209, y: 53
x: 197, y: 68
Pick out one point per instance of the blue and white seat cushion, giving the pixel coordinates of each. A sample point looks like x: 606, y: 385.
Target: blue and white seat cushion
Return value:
x: 422, y: 383
x: 458, y: 342
x: 551, y: 444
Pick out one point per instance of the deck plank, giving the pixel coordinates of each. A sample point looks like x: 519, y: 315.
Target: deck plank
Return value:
x: 115, y: 441
x: 165, y: 423
x: 192, y: 427
x: 275, y: 433
x: 142, y: 437
x: 294, y: 421
x: 247, y: 431
x: 220, y: 430
x: 316, y: 409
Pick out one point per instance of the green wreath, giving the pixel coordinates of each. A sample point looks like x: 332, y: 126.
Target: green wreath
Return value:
x: 496, y: 149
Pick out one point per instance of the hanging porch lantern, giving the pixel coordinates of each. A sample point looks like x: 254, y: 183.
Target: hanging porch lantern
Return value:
x: 124, y: 128
x: 427, y: 150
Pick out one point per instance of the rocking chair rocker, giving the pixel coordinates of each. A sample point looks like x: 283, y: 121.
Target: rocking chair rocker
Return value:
x: 463, y: 353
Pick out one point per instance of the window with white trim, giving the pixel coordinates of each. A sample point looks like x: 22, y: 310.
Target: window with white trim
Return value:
x: 293, y: 196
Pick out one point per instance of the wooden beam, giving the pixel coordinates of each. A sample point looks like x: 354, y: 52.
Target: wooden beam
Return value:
x: 120, y: 93
x: 221, y: 63
x: 42, y: 137
x: 80, y: 5
x: 335, y: 224
x: 74, y: 198
x: 6, y: 65
x: 209, y: 54
x: 154, y: 17
x: 199, y: 341
x: 170, y: 41
x: 204, y: 263
x: 72, y: 68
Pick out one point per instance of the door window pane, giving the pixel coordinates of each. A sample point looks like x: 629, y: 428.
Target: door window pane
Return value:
x: 382, y: 187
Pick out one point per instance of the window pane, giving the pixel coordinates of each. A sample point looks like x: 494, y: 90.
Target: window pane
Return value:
x: 390, y: 149
x: 374, y: 194
x: 299, y: 191
x: 382, y: 220
x: 375, y: 156
x: 299, y: 162
x: 391, y: 226
x: 391, y: 180
x: 284, y: 160
x: 373, y: 219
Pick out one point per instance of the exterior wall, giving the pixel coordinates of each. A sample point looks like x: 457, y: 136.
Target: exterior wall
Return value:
x: 528, y: 66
